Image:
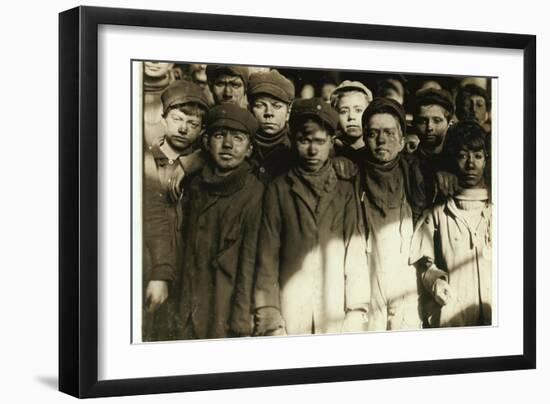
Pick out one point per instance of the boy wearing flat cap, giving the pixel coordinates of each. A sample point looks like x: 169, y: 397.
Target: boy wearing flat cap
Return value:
x: 228, y: 84
x: 223, y: 205
x: 184, y: 108
x: 433, y: 112
x: 392, y: 198
x: 271, y: 96
x: 350, y: 99
x: 312, y: 274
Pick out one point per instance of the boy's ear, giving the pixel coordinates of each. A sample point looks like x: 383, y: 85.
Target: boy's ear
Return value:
x: 250, y: 149
x: 204, y: 137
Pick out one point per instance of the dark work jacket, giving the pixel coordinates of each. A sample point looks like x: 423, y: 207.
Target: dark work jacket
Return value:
x: 220, y: 237
x: 428, y: 165
x: 270, y: 162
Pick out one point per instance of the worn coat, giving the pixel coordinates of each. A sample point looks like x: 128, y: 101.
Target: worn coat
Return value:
x: 448, y: 247
x: 220, y: 240
x: 311, y: 262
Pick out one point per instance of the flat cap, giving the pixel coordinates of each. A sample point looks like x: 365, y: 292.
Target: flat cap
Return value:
x: 271, y: 83
x: 213, y: 71
x: 348, y: 85
x: 385, y: 106
x: 233, y: 117
x: 313, y: 107
x: 432, y: 96
x: 182, y: 92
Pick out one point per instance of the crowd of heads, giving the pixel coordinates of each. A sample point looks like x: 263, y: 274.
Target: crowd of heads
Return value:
x: 402, y: 114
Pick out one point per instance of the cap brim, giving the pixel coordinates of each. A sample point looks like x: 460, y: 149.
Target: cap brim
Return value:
x: 186, y: 100
x: 272, y: 90
x: 228, y: 123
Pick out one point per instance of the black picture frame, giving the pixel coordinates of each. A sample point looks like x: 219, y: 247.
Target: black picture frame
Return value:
x: 78, y: 200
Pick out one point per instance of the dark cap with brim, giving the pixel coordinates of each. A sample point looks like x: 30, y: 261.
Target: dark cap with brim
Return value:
x: 316, y: 108
x: 232, y: 116
x: 183, y: 92
x: 271, y: 83
x: 385, y: 106
x: 213, y: 71
x: 432, y: 96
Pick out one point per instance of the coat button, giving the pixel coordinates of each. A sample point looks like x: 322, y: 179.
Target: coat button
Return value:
x: 262, y: 170
x: 170, y: 161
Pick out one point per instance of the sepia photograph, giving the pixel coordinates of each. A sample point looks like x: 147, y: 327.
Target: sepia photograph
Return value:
x: 285, y: 201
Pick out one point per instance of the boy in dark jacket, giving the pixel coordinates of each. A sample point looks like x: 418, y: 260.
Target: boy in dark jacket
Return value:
x: 223, y: 206
x: 312, y: 274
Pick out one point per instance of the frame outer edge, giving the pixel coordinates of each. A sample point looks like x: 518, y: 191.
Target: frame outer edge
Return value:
x: 68, y: 202
x: 78, y: 208
x: 530, y: 200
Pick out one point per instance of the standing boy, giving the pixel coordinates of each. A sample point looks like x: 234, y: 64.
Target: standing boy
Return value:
x: 223, y: 208
x: 452, y: 242
x: 312, y: 274
x: 184, y: 107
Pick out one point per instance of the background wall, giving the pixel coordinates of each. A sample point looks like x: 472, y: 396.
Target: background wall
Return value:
x: 28, y: 202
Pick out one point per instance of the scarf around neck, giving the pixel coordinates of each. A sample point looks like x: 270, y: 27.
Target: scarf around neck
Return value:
x: 320, y: 181
x: 384, y: 184
x: 224, y: 185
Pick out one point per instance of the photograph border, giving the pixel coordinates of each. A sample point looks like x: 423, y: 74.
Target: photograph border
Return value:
x: 78, y: 200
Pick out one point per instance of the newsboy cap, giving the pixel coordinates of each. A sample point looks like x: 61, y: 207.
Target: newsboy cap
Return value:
x: 432, y: 96
x: 213, y: 71
x: 271, y: 83
x: 313, y: 107
x: 233, y: 117
x: 348, y: 85
x: 182, y: 92
x: 383, y: 105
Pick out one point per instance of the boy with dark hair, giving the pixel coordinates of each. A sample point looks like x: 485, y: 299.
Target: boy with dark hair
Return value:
x: 452, y: 243
x: 312, y: 274
x: 433, y: 110
x: 223, y: 206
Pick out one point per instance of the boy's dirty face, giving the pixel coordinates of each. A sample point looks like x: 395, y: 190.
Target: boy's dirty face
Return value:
x: 473, y: 107
x: 156, y: 69
x: 228, y: 148
x: 383, y: 138
x: 228, y: 89
x: 470, y: 167
x: 351, y: 106
x: 314, y: 145
x: 182, y: 130
x: 432, y: 125
x: 271, y: 113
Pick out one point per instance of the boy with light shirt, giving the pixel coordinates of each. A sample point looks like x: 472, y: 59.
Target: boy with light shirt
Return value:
x: 452, y: 243
x: 392, y: 198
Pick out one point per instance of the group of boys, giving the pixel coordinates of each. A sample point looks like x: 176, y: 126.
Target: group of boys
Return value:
x: 267, y: 215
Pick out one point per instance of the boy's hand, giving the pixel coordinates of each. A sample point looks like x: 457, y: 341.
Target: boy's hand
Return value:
x: 355, y: 321
x: 446, y: 183
x: 155, y: 294
x: 442, y: 292
x: 175, y: 183
x: 411, y: 143
x: 344, y: 168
